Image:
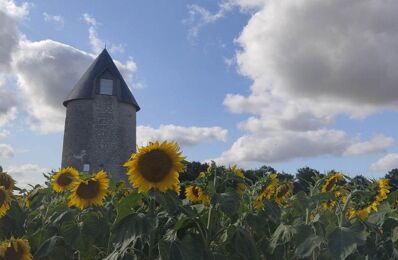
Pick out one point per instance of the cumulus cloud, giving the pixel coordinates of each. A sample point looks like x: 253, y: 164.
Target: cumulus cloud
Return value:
x: 182, y: 135
x: 376, y: 144
x: 386, y: 163
x: 6, y: 151
x: 10, y: 16
x: 311, y: 61
x: 8, y: 107
x: 282, y: 146
x: 27, y: 174
x: 318, y: 52
x: 46, y: 71
x: 55, y: 19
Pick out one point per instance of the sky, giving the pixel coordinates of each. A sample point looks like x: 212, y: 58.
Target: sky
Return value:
x: 285, y: 83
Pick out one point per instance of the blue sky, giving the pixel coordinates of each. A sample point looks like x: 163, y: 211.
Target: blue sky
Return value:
x: 251, y: 82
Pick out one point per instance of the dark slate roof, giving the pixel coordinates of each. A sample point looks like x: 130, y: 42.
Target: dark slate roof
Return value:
x: 84, y: 88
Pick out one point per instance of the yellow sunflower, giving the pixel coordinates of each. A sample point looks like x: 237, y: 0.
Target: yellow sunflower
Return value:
x: 15, y: 249
x: 62, y: 180
x: 202, y: 174
x: 240, y: 187
x: 331, y: 182
x: 89, y: 192
x: 340, y: 194
x: 267, y: 193
x: 283, y: 192
x: 156, y: 165
x: 5, y: 199
x: 7, y: 181
x: 383, y: 189
x: 196, y: 194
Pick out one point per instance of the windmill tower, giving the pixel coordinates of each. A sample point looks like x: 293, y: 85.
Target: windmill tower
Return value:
x: 100, y: 124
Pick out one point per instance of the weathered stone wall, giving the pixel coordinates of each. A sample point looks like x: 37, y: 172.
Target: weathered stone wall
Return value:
x: 105, y: 129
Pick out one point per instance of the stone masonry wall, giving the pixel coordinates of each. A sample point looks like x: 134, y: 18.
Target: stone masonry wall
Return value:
x: 100, y: 132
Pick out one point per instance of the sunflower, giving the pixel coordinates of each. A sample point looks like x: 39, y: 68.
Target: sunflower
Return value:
x: 195, y: 194
x: 5, y: 199
x: 6, y: 181
x: 340, y: 194
x: 240, y: 187
x: 283, y: 192
x: 382, y: 189
x: 202, y: 174
x: 62, y: 180
x: 331, y: 182
x: 267, y: 193
x: 89, y: 192
x: 156, y: 165
x: 15, y: 249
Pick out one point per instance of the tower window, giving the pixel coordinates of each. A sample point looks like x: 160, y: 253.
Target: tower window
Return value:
x: 106, y: 86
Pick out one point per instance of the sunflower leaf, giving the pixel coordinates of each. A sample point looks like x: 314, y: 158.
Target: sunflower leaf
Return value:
x: 125, y: 205
x: 343, y: 242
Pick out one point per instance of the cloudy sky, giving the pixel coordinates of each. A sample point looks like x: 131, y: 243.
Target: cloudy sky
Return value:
x: 287, y: 83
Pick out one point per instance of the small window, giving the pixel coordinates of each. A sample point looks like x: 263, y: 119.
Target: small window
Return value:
x: 106, y: 87
x: 86, y: 167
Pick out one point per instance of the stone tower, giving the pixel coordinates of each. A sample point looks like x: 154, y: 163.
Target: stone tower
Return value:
x: 100, y: 124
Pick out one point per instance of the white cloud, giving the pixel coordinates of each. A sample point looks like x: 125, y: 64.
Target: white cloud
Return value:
x: 6, y: 151
x: 182, y: 135
x: 14, y: 11
x: 45, y: 70
x: 117, y: 48
x: 376, y: 144
x: 89, y: 19
x: 4, y: 133
x: 311, y: 61
x: 386, y: 163
x: 248, y: 5
x: 10, y: 16
x: 97, y: 44
x: 56, y: 19
x: 199, y: 17
x: 26, y: 174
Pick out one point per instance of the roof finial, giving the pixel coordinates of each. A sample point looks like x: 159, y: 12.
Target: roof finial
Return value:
x: 105, y: 46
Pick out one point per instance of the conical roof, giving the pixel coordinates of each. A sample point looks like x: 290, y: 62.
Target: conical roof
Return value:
x: 85, y: 87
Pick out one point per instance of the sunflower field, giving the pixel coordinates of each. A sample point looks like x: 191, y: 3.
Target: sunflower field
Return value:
x: 172, y: 209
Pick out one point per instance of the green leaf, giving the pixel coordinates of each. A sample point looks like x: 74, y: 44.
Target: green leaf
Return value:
x: 169, y: 201
x: 133, y: 226
x: 393, y: 197
x: 322, y: 197
x: 242, y: 244
x: 342, y: 242
x: 283, y: 234
x: 53, y: 248
x: 228, y: 202
x: 394, y: 234
x: 125, y: 205
x: 306, y: 248
x: 190, y: 247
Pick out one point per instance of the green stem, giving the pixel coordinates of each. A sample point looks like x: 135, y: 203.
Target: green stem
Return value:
x: 152, y: 234
x: 210, y: 215
x: 345, y: 208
